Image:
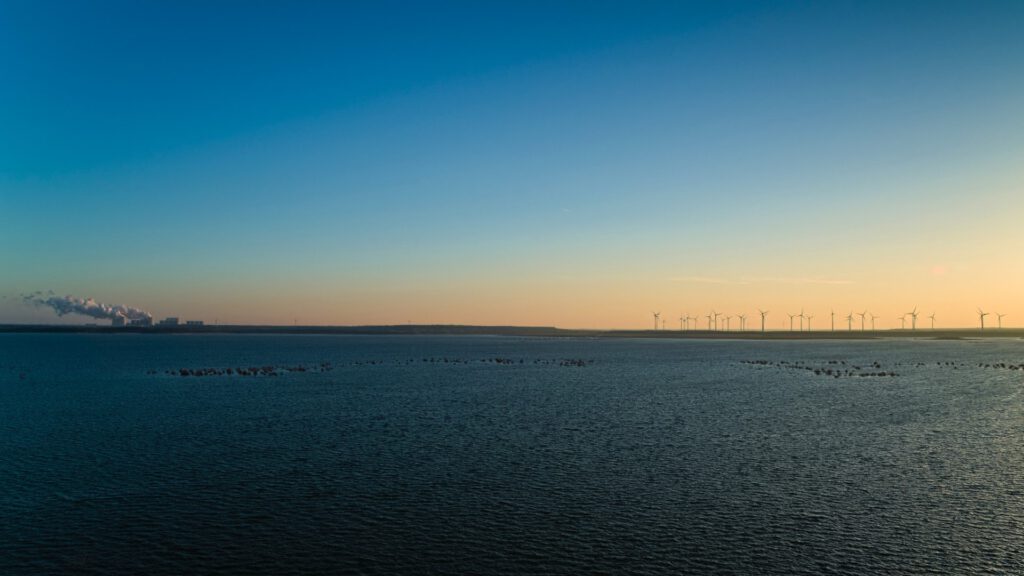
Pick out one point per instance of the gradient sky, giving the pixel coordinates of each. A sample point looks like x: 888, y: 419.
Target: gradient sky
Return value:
x: 535, y: 163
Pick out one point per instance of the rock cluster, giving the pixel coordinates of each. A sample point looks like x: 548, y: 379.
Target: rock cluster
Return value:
x: 265, y: 370
x: 273, y: 370
x: 828, y: 368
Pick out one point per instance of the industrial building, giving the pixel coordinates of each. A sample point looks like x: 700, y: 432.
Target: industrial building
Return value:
x: 169, y: 322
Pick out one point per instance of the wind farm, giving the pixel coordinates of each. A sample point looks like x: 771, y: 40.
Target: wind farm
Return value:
x: 799, y: 326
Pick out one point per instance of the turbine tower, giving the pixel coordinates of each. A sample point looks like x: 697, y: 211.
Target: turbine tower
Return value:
x: 809, y: 321
x: 802, y: 319
x: 849, y: 322
x: 716, y: 315
x: 981, y: 315
x: 873, y: 317
x: 763, y: 314
x: 933, y: 320
x: 903, y: 322
x: 862, y: 315
x: 743, y: 321
x: 709, y: 322
x: 791, y: 316
x: 913, y: 318
x: 1000, y: 318
x: 657, y: 316
x: 682, y: 319
x: 832, y: 313
x: 727, y: 319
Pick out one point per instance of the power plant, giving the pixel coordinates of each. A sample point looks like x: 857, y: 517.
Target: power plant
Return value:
x: 120, y: 316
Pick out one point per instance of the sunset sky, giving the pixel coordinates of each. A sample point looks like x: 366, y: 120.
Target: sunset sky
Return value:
x: 575, y: 164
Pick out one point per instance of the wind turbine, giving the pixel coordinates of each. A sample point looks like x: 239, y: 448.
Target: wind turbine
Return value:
x: 716, y: 314
x: 801, y: 319
x: 862, y: 315
x: 743, y: 321
x: 1000, y: 318
x: 933, y: 320
x: 849, y: 322
x: 903, y: 322
x: 981, y: 315
x: 695, y: 320
x: 873, y: 322
x: 833, y: 314
x: 809, y: 322
x: 763, y: 314
x: 727, y: 319
x: 913, y: 318
x: 681, y: 320
x: 657, y: 316
x: 791, y: 316
x: 709, y: 321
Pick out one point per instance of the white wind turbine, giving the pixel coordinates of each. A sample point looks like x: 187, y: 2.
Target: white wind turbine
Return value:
x: 849, y: 322
x: 1000, y: 318
x: 809, y: 317
x: 981, y: 315
x: 913, y: 318
x: 932, y: 317
x: 763, y: 314
x: 791, y: 316
x: 862, y: 315
x: 743, y: 321
x: 657, y: 316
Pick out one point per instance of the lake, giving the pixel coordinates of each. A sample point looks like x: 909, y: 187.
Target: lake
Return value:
x: 292, y: 454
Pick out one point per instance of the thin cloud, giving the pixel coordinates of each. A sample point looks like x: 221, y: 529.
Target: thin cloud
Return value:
x: 707, y: 280
x: 761, y: 280
x: 799, y: 280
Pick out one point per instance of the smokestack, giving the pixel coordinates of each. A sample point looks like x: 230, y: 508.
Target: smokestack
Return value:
x: 63, y: 305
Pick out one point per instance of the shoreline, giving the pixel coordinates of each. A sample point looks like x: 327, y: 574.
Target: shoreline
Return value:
x: 526, y: 331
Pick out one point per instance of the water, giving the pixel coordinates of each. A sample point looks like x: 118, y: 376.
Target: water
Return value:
x: 656, y: 457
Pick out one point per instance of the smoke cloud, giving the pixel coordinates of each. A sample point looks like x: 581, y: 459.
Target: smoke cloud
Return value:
x: 64, y: 305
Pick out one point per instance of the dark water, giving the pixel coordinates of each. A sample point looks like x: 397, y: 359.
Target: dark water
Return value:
x: 657, y: 457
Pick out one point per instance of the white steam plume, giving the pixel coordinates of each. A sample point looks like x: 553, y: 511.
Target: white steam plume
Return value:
x: 63, y: 305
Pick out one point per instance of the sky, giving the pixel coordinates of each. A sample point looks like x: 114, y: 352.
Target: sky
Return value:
x: 572, y: 164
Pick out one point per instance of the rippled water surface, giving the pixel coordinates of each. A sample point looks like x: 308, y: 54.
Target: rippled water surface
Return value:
x: 376, y: 455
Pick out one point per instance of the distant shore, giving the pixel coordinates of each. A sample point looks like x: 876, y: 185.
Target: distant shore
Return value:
x: 530, y: 331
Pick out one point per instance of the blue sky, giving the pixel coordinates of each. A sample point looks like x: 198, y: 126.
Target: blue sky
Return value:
x: 521, y: 163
